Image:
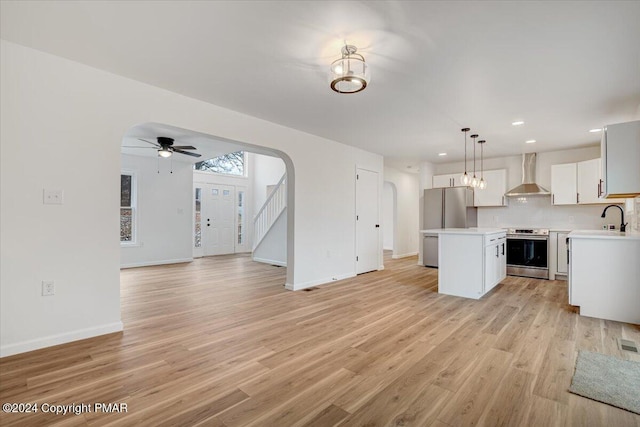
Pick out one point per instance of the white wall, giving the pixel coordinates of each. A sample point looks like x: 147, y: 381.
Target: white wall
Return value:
x: 388, y: 220
x: 407, y: 211
x: 273, y: 247
x: 536, y: 211
x: 264, y: 171
x: 164, y: 212
x: 69, y: 119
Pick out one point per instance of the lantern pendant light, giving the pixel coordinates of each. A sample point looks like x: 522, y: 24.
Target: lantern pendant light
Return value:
x: 465, y: 177
x: 482, y: 184
x: 474, y: 181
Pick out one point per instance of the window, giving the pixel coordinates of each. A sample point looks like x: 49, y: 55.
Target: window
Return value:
x: 198, y: 219
x: 127, y: 208
x: 240, y: 217
x: 229, y: 164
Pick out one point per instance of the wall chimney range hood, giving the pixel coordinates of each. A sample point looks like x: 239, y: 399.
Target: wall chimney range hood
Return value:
x: 528, y: 186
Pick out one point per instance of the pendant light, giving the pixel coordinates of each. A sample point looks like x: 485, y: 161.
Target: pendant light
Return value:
x: 474, y: 181
x: 482, y: 184
x: 465, y: 177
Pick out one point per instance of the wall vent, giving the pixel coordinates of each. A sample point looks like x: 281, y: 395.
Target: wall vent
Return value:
x: 628, y: 345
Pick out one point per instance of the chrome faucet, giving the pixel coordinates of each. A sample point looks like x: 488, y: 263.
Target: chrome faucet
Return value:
x: 623, y: 226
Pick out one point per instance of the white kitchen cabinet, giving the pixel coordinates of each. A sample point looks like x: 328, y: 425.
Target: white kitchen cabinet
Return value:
x: 578, y: 183
x: 471, y: 262
x: 448, y: 180
x: 603, y: 274
x: 493, y: 195
x: 564, y: 185
x: 620, y: 148
x: 495, y: 261
x: 588, y: 177
x: 561, y: 253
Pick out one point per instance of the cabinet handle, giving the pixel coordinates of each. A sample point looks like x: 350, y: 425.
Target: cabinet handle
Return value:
x: 577, y: 197
x: 553, y: 199
x: 503, y: 249
x: 599, y: 187
x: 497, y: 251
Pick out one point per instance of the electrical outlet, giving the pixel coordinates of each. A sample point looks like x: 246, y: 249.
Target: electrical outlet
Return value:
x: 48, y: 288
x: 53, y: 197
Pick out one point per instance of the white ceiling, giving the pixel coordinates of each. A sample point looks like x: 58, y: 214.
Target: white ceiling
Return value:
x: 562, y: 67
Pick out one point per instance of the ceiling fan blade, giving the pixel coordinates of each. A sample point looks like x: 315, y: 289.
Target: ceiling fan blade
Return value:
x: 187, y: 153
x: 184, y: 147
x: 137, y: 146
x: 151, y: 142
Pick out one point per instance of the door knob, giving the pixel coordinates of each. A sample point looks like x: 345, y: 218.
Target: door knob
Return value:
x: 377, y: 225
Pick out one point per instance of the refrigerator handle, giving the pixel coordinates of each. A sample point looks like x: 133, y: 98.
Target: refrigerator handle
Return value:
x: 442, y: 210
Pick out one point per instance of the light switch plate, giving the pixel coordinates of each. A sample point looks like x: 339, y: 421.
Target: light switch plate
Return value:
x: 53, y: 197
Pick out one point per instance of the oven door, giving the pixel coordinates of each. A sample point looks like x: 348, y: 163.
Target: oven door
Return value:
x: 528, y: 251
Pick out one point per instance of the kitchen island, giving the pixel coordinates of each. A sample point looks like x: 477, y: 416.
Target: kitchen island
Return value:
x: 604, y: 274
x: 471, y: 261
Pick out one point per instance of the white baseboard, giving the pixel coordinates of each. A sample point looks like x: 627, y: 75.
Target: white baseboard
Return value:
x: 161, y: 262
x: 312, y: 283
x: 404, y: 255
x: 51, y: 340
x: 270, y: 261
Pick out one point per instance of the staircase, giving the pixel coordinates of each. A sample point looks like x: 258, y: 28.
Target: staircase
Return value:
x: 269, y: 214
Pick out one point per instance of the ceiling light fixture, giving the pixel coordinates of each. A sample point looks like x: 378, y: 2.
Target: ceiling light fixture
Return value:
x: 442, y: 154
x: 465, y: 177
x: 349, y: 74
x: 474, y: 181
x: 164, y: 152
x: 595, y: 130
x: 482, y: 184
x: 530, y: 141
x: 518, y: 123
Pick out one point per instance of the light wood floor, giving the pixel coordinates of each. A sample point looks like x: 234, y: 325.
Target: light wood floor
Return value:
x: 220, y: 342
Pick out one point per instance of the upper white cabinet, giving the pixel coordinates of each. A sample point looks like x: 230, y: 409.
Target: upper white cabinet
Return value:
x: 578, y: 183
x: 493, y: 195
x: 620, y: 149
x: 448, y: 180
x: 564, y: 185
x: 589, y: 182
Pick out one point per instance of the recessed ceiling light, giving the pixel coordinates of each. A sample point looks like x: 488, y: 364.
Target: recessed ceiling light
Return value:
x: 595, y: 130
x: 442, y: 154
x: 518, y: 123
x: 530, y: 141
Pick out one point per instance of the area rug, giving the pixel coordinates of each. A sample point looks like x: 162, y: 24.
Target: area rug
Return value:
x: 607, y: 379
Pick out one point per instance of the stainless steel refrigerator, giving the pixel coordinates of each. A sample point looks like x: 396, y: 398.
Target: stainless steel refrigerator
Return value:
x: 445, y: 208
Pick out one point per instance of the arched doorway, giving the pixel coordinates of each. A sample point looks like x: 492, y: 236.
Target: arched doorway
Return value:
x: 136, y: 140
x: 389, y: 217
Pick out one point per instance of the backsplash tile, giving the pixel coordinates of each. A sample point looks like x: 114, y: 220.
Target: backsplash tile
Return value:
x: 538, y: 212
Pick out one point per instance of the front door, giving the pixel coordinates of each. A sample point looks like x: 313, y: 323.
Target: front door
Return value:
x: 218, y: 206
x: 367, y: 221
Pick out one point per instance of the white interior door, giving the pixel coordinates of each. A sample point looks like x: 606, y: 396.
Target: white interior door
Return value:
x: 218, y: 219
x: 367, y: 221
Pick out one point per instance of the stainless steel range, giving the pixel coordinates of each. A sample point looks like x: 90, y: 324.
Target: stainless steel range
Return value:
x: 528, y: 252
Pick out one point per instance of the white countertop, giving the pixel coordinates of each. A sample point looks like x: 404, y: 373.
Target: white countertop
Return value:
x: 603, y: 234
x: 477, y: 231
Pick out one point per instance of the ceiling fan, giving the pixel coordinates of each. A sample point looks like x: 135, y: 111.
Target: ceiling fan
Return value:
x: 166, y: 148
